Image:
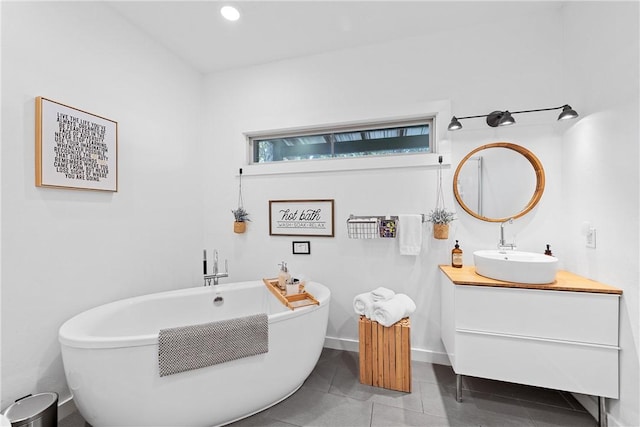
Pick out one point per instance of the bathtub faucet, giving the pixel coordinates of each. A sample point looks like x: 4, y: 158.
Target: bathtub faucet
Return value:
x: 216, y: 274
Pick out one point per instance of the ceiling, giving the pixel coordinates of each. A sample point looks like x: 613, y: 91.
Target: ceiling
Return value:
x: 275, y: 30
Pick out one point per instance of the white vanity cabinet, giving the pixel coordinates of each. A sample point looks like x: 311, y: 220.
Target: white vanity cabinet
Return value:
x: 562, y: 336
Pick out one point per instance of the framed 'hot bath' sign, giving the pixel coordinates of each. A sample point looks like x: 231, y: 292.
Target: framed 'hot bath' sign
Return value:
x: 301, y: 218
x: 75, y: 149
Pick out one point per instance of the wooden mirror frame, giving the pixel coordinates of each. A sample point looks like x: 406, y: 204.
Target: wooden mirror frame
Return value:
x: 537, y: 167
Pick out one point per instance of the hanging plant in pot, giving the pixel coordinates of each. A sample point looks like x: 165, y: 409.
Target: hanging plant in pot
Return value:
x: 241, y: 217
x: 440, y: 216
x: 240, y: 214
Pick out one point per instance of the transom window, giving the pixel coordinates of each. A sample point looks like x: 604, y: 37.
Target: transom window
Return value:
x: 391, y: 138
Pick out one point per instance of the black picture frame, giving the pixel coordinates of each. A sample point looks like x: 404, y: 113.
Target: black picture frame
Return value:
x: 301, y: 247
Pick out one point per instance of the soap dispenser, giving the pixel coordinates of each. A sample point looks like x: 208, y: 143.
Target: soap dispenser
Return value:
x: 283, y: 276
x: 456, y: 256
x: 548, y: 251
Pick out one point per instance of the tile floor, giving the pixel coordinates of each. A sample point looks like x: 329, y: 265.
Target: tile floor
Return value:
x: 332, y: 396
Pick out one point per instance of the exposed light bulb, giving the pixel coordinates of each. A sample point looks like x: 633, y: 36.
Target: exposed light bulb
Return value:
x: 230, y: 13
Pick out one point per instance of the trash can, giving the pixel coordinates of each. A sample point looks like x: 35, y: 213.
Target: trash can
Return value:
x: 39, y: 410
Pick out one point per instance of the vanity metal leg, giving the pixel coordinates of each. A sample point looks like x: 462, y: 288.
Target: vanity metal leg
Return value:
x: 458, y: 388
x: 602, y: 412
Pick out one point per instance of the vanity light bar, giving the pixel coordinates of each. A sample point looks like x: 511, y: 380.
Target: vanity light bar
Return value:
x: 505, y: 118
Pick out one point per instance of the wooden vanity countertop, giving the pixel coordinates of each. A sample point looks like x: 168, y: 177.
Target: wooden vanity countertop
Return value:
x: 565, y: 281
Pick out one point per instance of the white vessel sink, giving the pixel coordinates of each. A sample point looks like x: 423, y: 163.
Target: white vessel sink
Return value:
x: 516, y: 266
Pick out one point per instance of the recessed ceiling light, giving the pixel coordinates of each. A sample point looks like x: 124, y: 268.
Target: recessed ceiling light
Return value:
x: 230, y: 13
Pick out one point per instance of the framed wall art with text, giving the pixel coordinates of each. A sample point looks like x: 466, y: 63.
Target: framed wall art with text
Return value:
x: 75, y: 149
x: 301, y: 218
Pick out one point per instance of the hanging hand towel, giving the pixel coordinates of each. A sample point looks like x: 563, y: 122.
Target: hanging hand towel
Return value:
x: 389, y: 312
x: 382, y: 294
x: 363, y: 304
x: 410, y: 234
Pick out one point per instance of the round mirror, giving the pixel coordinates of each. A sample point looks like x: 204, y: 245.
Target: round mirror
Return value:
x: 498, y: 181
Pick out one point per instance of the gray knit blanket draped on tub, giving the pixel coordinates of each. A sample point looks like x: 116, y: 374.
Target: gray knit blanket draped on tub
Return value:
x: 192, y: 347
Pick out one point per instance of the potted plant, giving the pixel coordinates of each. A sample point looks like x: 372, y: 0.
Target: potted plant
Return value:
x: 441, y: 217
x: 241, y: 216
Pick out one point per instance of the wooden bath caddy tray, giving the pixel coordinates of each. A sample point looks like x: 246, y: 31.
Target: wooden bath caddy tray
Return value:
x: 302, y: 299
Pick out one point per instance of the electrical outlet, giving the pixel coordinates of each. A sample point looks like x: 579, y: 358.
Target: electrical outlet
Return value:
x: 591, y: 238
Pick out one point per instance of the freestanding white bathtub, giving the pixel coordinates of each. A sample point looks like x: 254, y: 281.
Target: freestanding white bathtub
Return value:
x: 110, y: 356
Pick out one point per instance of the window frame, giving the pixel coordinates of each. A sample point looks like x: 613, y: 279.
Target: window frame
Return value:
x: 252, y: 138
x: 440, y: 155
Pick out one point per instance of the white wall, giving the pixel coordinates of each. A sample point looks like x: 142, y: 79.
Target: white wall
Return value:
x: 600, y: 168
x: 388, y: 80
x: 65, y: 251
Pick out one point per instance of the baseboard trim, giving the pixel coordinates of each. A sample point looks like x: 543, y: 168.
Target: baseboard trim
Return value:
x: 590, y: 403
x: 417, y: 354
x: 341, y: 344
x: 613, y: 422
x: 66, y: 407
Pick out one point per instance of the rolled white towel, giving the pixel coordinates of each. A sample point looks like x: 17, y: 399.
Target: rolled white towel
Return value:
x: 389, y: 312
x: 382, y: 294
x: 363, y: 304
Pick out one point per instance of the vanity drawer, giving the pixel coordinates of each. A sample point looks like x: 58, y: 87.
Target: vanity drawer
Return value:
x: 572, y: 316
x: 575, y: 367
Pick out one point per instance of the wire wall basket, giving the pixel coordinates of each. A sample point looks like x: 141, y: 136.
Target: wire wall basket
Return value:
x: 364, y: 227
